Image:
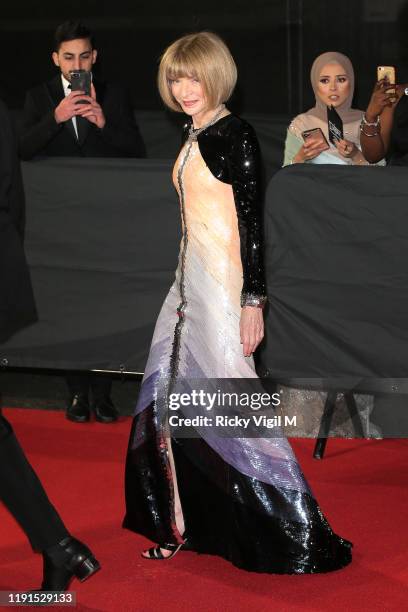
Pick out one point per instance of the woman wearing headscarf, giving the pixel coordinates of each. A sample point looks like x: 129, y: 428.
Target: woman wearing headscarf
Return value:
x: 332, y: 78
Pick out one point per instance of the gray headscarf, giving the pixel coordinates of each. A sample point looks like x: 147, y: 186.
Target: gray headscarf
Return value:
x: 345, y: 111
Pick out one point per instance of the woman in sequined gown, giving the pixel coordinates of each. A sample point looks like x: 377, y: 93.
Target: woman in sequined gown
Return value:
x: 244, y: 499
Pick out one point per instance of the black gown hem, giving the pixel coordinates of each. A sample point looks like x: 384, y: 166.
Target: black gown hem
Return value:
x: 274, y: 566
x: 284, y: 566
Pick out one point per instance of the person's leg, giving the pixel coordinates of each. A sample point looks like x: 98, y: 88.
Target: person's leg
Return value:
x: 78, y: 404
x: 101, y: 386
x: 102, y: 405
x: 178, y: 512
x: 24, y: 496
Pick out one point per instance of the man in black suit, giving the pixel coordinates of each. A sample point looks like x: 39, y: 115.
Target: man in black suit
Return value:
x: 20, y: 489
x: 61, y: 122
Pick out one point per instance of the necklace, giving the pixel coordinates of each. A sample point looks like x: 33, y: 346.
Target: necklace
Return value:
x: 193, y: 133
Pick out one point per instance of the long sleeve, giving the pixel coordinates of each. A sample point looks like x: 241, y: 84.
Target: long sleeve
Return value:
x: 245, y: 172
x: 11, y: 184
x: 37, y: 129
x: 17, y: 307
x: 292, y: 146
x: 6, y: 158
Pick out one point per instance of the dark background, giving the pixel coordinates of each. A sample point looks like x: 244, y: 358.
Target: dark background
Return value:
x: 273, y: 42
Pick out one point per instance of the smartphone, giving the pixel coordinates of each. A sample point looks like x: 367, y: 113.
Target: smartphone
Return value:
x: 316, y: 134
x: 81, y: 81
x: 387, y: 72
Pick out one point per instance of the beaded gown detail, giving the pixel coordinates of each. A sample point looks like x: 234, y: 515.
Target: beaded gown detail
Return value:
x: 244, y: 499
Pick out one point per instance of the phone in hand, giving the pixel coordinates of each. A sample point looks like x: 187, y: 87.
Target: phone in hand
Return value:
x: 387, y: 72
x: 316, y: 134
x: 81, y: 81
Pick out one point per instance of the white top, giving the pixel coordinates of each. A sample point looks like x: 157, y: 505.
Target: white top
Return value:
x: 67, y: 90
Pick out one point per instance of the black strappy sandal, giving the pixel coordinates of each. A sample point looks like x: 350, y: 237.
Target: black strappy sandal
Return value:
x: 155, y: 554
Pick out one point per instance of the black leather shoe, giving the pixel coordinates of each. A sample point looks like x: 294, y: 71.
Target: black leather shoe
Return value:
x: 105, y: 411
x: 74, y: 560
x: 78, y: 410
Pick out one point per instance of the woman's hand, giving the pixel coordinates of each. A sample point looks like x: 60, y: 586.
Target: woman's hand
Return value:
x: 309, y: 150
x: 380, y: 99
x: 346, y: 148
x: 251, y: 327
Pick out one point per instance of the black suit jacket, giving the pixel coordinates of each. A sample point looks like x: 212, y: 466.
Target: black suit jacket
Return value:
x: 17, y: 308
x: 40, y: 134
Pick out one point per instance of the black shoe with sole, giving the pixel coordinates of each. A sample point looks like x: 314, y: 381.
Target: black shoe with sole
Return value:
x: 74, y: 560
x: 105, y: 411
x: 78, y: 410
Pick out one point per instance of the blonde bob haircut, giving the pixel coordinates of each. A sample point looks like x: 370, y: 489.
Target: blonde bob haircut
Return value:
x: 203, y: 56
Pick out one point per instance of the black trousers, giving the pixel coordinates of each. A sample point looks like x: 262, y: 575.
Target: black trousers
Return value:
x: 23, y: 494
x: 82, y: 383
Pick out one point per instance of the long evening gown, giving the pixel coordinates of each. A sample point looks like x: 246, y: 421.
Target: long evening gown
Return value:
x: 244, y: 499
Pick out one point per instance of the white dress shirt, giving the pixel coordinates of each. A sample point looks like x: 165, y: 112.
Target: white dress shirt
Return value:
x: 67, y: 90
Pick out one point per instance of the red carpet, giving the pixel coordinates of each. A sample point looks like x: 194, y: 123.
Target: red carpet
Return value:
x: 361, y: 486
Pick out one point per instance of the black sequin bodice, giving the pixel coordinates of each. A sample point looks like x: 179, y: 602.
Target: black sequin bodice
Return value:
x: 230, y: 149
